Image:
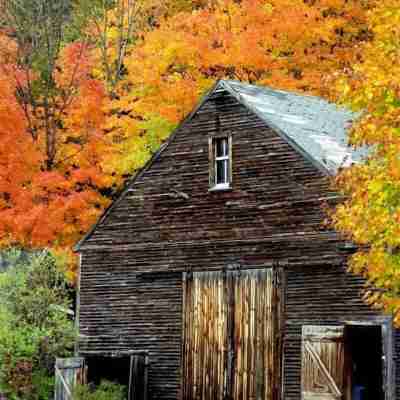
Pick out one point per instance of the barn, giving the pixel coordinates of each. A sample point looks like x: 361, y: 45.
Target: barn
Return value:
x: 216, y: 264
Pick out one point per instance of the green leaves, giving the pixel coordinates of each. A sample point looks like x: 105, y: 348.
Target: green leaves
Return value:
x: 34, y: 324
x: 105, y: 391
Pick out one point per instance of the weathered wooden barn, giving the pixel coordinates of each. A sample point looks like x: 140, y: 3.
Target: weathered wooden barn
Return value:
x: 216, y: 263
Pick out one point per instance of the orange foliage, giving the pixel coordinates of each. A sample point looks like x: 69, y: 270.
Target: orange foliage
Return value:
x: 290, y: 44
x: 52, y: 208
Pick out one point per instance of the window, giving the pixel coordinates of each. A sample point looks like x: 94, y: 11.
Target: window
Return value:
x: 220, y: 160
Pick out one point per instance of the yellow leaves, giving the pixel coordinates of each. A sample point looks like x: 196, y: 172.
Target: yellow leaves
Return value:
x: 268, y: 8
x: 371, y: 215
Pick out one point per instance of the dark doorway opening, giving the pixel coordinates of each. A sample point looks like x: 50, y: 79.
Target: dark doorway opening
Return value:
x: 129, y: 370
x: 114, y: 369
x: 365, y: 366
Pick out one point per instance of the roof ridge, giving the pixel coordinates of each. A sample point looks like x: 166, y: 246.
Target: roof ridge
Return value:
x: 272, y: 89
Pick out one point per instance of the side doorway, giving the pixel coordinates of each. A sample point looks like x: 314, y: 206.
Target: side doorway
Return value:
x: 353, y: 361
x: 232, y: 335
x: 128, y: 369
x: 369, y: 360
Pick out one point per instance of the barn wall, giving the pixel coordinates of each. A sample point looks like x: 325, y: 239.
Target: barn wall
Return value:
x: 275, y: 190
x: 124, y: 310
x: 321, y: 295
x: 131, y: 291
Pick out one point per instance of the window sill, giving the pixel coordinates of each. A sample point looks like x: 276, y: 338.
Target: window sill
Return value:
x: 220, y: 188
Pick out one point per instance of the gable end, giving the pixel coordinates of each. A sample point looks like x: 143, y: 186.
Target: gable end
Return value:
x: 219, y: 87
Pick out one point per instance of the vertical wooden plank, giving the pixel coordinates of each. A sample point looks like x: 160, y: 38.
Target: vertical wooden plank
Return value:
x: 207, y: 343
x: 146, y: 378
x: 67, y: 371
x: 222, y: 335
x: 204, y: 331
x: 184, y: 335
x: 279, y: 290
x: 253, y: 337
x: 130, y: 386
x: 221, y: 339
x: 246, y: 337
x: 193, y: 367
x: 258, y: 361
x: 214, y: 367
x: 189, y: 353
x: 201, y: 333
x: 387, y: 359
x: 238, y: 327
x: 230, y: 331
x: 211, y: 162
x: 265, y: 343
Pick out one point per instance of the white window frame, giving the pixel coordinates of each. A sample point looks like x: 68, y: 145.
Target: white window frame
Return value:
x: 214, y: 160
x: 222, y: 185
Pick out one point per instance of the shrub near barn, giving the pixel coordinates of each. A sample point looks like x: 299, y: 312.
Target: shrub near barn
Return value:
x: 35, y: 325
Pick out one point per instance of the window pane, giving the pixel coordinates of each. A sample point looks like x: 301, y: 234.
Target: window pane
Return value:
x: 222, y: 171
x: 221, y: 147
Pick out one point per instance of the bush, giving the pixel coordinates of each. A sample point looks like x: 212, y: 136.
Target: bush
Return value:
x: 105, y: 391
x: 35, y: 326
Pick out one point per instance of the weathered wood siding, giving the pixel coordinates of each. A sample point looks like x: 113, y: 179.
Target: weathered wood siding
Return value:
x: 125, y: 310
x: 275, y: 190
x: 320, y: 295
x: 131, y: 278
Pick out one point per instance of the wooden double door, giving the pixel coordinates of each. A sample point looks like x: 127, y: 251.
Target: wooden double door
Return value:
x: 232, y: 335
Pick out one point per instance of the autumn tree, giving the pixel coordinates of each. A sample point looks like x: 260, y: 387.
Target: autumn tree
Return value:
x: 115, y: 26
x: 60, y: 63
x: 371, y: 214
x: 294, y: 45
x: 52, y: 145
x: 38, y: 29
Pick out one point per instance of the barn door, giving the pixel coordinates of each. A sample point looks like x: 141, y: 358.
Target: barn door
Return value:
x: 205, y: 337
x: 231, y: 335
x: 68, y: 373
x: 322, y: 363
x: 257, y: 335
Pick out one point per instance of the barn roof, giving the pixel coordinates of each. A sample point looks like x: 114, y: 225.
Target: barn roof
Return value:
x: 313, y: 126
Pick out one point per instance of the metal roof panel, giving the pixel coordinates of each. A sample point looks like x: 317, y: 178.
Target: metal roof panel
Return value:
x: 317, y: 127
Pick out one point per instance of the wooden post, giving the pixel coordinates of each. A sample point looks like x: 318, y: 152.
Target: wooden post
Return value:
x: 230, y: 296
x: 138, y: 377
